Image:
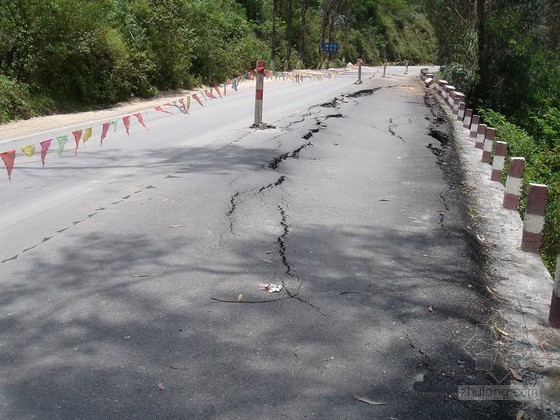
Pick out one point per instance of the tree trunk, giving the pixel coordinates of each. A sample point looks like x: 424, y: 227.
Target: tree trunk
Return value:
x: 288, y: 35
x: 274, y: 36
x: 301, y: 51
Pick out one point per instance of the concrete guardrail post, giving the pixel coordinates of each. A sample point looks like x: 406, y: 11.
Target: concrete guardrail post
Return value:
x: 499, y: 161
x: 488, y: 144
x: 514, y: 183
x: 533, y: 222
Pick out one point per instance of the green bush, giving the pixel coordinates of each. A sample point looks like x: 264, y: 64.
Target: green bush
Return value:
x: 18, y: 102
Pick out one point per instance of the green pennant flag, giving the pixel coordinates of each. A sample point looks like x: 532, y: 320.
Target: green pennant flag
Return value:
x: 61, y: 143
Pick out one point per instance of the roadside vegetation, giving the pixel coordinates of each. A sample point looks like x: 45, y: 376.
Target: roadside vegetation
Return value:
x: 505, y: 55
x: 68, y: 55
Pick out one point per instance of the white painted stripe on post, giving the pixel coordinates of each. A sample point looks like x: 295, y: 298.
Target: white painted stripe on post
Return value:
x: 533, y: 223
x: 514, y: 185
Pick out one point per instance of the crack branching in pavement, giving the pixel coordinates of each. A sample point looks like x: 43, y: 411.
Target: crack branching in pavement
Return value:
x: 393, y: 125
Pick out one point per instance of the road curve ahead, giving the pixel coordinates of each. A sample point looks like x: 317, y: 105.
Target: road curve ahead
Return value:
x: 134, y: 276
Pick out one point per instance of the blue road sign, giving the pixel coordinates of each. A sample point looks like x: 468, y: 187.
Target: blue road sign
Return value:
x: 329, y: 47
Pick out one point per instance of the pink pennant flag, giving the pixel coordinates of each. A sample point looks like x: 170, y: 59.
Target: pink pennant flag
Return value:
x: 126, y: 122
x: 160, y: 109
x: 44, y: 149
x: 9, y: 159
x: 104, y: 132
x: 197, y: 99
x: 77, y: 137
x: 210, y: 94
x: 218, y: 90
x: 183, y: 106
x: 140, y: 119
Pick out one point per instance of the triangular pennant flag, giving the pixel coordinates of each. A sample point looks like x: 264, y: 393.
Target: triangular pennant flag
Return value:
x: 140, y: 119
x: 87, y: 135
x: 61, y: 142
x: 195, y: 96
x: 188, y: 103
x: 28, y: 150
x: 126, y: 122
x: 183, y: 106
x: 77, y: 137
x: 234, y: 85
x: 44, y: 149
x: 160, y: 109
x: 104, y: 132
x: 218, y: 90
x: 9, y: 159
x: 114, y: 124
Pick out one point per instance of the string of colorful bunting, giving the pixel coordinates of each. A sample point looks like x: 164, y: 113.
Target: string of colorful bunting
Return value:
x: 183, y: 105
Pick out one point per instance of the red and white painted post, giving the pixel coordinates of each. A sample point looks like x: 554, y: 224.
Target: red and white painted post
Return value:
x: 259, y: 94
x: 440, y: 85
x: 449, y: 92
x: 554, y: 314
x: 488, y: 144
x: 468, y: 118
x: 359, y: 81
x: 533, y: 223
x: 458, y: 98
x: 514, y: 183
x: 480, y: 135
x: 474, y: 126
x: 499, y: 161
x: 462, y: 111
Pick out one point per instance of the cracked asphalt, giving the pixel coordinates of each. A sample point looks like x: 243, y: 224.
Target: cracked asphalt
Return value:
x: 148, y: 303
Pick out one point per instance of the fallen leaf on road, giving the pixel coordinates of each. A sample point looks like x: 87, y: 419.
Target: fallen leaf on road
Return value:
x: 140, y: 275
x: 495, y: 295
x: 239, y: 297
x: 161, y: 386
x: 175, y: 226
x: 515, y: 375
x: 542, y: 344
x: 368, y: 401
x: 505, y: 334
x: 430, y: 308
x: 520, y: 415
x: 328, y: 359
x: 174, y: 368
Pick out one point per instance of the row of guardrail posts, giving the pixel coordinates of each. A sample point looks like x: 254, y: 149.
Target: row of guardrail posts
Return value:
x: 495, y: 152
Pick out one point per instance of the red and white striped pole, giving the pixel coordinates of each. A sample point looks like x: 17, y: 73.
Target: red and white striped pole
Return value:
x: 480, y: 134
x: 468, y: 118
x: 458, y: 98
x: 474, y: 126
x: 514, y: 183
x: 488, y: 144
x: 499, y: 160
x: 259, y: 94
x: 462, y: 111
x: 554, y: 314
x: 533, y: 223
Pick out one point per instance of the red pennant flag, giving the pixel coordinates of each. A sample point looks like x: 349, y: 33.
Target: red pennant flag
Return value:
x: 106, y: 127
x: 77, y: 137
x: 160, y: 109
x: 44, y: 149
x: 9, y: 159
x: 210, y: 94
x: 140, y: 119
x: 218, y: 90
x: 126, y: 121
x: 195, y: 96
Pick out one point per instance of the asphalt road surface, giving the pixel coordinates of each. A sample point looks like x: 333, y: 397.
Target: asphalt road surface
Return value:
x: 131, y: 275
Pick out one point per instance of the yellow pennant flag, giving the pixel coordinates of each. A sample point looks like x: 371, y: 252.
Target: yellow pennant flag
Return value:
x: 28, y: 150
x: 87, y: 134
